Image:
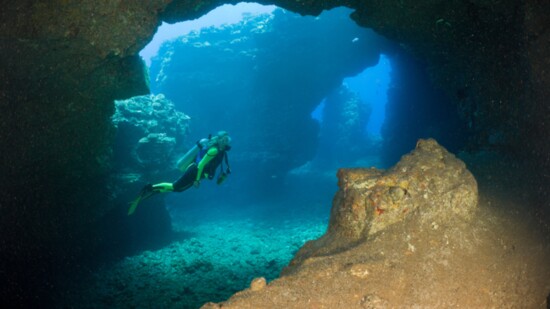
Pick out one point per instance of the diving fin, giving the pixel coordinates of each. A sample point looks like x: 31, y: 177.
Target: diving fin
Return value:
x: 145, y: 193
x: 133, y: 205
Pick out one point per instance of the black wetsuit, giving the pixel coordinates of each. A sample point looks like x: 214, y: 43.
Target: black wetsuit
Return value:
x: 209, y: 170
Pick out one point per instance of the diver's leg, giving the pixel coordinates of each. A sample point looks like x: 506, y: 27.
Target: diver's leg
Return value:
x: 187, y: 179
x: 163, y: 187
x: 148, y: 191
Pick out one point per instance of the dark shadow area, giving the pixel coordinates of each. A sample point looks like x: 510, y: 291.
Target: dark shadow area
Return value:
x: 417, y: 109
x: 148, y: 229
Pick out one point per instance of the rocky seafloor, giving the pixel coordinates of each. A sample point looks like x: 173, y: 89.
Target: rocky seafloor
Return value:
x: 211, y: 261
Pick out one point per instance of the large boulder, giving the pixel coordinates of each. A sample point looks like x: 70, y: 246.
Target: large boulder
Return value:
x: 412, y: 236
x: 429, y: 182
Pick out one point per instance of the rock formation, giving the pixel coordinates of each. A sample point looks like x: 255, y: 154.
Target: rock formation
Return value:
x: 429, y: 182
x: 411, y: 236
x: 150, y: 135
x: 342, y: 136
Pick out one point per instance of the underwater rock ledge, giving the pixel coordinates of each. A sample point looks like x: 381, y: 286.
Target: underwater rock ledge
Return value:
x: 409, y: 236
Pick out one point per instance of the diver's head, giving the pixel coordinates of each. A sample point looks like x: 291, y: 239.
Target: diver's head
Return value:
x: 224, y: 141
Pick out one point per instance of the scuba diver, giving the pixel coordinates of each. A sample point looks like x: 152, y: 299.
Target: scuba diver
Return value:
x: 200, y: 162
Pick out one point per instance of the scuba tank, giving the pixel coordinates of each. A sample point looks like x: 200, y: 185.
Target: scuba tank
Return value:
x: 191, y: 154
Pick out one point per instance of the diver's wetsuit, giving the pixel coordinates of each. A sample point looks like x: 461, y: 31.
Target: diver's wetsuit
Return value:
x: 187, y: 179
x: 206, y: 168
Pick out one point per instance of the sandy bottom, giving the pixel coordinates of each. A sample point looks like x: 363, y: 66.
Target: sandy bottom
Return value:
x: 215, y: 260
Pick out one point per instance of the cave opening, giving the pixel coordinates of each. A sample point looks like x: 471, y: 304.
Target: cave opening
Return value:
x: 224, y: 14
x: 260, y: 76
x: 263, y: 78
x: 267, y: 68
x: 372, y: 86
x: 64, y: 200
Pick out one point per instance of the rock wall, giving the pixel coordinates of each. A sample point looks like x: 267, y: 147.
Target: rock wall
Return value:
x: 535, y: 123
x: 63, y: 65
x: 482, y: 54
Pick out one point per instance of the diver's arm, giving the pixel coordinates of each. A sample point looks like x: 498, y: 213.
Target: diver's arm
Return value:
x: 210, y: 154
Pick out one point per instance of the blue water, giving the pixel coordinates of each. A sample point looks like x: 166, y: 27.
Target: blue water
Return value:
x: 225, y: 14
x: 372, y: 86
x: 259, y: 79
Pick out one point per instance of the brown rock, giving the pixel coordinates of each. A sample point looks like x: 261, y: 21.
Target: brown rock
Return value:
x: 429, y: 181
x: 211, y: 305
x: 258, y: 284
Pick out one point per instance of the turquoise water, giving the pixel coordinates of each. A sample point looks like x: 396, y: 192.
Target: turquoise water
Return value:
x: 213, y: 259
x: 372, y: 86
x: 259, y: 79
x: 219, y: 246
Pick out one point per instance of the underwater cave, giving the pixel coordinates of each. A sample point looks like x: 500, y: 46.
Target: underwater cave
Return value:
x: 307, y: 90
